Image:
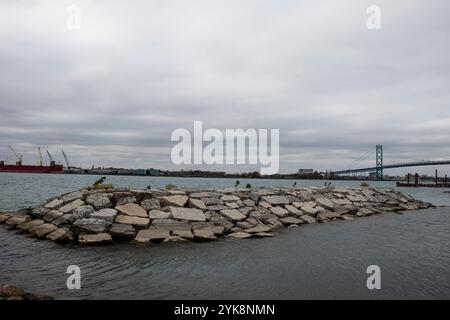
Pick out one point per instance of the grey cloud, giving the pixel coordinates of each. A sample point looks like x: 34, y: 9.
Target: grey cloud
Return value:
x: 112, y: 92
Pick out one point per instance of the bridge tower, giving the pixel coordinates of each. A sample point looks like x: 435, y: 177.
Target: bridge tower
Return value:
x: 379, y: 162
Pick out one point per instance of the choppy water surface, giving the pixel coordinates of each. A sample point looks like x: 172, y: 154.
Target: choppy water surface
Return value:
x: 315, y: 261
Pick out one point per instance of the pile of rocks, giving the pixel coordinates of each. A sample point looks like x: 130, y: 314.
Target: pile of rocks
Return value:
x: 8, y: 292
x: 144, y: 216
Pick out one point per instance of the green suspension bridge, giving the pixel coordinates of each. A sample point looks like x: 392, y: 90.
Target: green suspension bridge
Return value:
x: 380, y: 167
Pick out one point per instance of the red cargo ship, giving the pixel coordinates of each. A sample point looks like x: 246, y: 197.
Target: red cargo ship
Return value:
x: 20, y: 168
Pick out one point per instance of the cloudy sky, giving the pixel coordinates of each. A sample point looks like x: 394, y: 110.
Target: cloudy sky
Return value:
x: 112, y: 92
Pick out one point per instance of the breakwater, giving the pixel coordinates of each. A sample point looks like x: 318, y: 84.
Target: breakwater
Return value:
x: 101, y: 215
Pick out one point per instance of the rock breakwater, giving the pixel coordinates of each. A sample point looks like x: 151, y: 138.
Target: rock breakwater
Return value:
x: 8, y: 292
x: 100, y: 216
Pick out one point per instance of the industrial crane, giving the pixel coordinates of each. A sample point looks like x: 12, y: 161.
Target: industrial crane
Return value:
x: 41, y: 159
x: 18, y: 156
x: 52, y: 162
x: 67, y: 160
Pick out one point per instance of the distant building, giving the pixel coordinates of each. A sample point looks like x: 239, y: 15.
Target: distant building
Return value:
x: 305, y: 171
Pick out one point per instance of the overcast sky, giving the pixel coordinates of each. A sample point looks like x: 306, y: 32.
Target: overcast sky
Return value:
x: 112, y: 92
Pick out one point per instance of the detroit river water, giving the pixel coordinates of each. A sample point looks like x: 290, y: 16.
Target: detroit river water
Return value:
x: 318, y: 261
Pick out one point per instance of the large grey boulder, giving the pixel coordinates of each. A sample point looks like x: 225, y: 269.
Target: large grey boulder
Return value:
x: 30, y: 224
x: 99, y: 201
x: 151, y: 204
x: 82, y: 211
x: 42, y: 230
x: 126, y: 200
x: 89, y: 226
x: 39, y: 212
x: 212, y: 201
x: 104, y: 214
x: 4, y: 217
x: 52, y: 215
x: 133, y: 210
x: 188, y: 214
x: 71, y: 206
x: 218, y: 219
x: 60, y: 235
x: 17, y: 219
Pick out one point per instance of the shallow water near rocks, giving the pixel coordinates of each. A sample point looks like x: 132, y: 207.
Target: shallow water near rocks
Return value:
x: 326, y: 261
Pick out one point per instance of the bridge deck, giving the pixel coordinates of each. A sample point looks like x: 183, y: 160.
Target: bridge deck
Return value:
x: 398, y: 165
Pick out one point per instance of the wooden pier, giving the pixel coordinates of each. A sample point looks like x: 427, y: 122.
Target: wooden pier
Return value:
x: 437, y: 184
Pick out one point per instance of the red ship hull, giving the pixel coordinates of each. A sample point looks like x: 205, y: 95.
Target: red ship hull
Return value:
x: 31, y: 169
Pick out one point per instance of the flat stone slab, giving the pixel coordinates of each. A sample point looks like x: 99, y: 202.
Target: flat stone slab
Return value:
x: 42, y: 230
x: 104, y: 214
x: 293, y: 210
x: 135, y: 221
x: 159, y: 214
x: 71, y: 206
x: 325, y: 203
x: 122, y: 231
x: 204, y: 235
x: 307, y: 218
x: 174, y: 201
x: 279, y: 211
x: 185, y: 234
x: 133, y: 210
x: 4, y: 217
x: 16, y: 220
x: 233, y: 214
x: 30, y: 224
x: 276, y: 200
x: 197, y: 204
x: 258, y: 229
x: 188, y: 214
x: 240, y: 235
x: 291, y: 220
x: 100, y: 238
x: 60, y: 235
x: 230, y: 198
x: 54, y: 204
x: 309, y: 210
x: 263, y: 235
x: 69, y: 197
x: 152, y: 234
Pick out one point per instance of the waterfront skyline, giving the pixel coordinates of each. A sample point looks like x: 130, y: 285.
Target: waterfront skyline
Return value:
x: 112, y: 92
